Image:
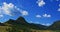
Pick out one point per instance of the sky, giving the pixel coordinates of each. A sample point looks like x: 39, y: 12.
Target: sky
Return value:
x: 44, y: 12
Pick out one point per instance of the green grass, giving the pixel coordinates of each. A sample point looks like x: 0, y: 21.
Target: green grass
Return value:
x: 3, y: 28
x: 9, y: 29
x: 45, y: 31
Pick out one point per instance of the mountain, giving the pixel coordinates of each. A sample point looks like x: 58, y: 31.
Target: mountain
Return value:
x: 21, y: 20
x: 55, y: 25
x: 38, y: 26
x: 1, y: 24
x: 22, y: 24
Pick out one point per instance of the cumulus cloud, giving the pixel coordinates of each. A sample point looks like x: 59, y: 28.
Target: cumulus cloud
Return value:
x: 6, y: 8
x: 58, y: 9
x: 46, y: 15
x: 57, y: 0
x: 1, y: 16
x: 41, y: 3
x: 24, y: 13
x: 47, y: 24
x: 9, y: 8
x: 38, y: 16
x: 59, y: 5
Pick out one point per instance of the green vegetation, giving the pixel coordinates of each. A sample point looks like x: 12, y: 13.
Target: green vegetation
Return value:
x: 20, y: 25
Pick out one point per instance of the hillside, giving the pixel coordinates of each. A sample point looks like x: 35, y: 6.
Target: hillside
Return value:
x: 22, y: 24
x: 55, y: 25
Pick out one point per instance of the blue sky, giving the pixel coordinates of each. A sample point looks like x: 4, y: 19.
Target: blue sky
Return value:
x: 43, y: 12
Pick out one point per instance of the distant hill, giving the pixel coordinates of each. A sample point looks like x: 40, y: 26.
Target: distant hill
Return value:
x: 55, y: 25
x: 21, y: 21
x: 22, y: 24
x: 2, y: 24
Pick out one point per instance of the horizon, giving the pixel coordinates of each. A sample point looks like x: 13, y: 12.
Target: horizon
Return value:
x: 43, y: 12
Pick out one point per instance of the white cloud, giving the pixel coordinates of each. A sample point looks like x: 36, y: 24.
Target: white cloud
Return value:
x: 59, y: 5
x: 24, y: 13
x: 38, y: 16
x: 57, y: 0
x: 17, y: 8
x: 46, y: 15
x: 58, y: 9
x: 40, y: 3
x: 31, y: 21
x: 47, y: 24
x: 6, y: 8
x: 1, y: 16
x: 9, y: 8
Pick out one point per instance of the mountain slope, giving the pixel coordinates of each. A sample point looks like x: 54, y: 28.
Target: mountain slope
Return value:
x: 55, y: 25
x: 38, y: 26
x: 22, y: 24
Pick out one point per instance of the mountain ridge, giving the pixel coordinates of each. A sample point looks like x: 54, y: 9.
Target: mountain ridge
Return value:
x: 22, y: 24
